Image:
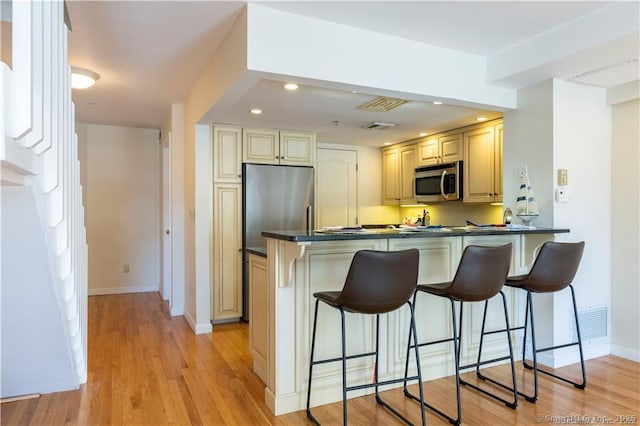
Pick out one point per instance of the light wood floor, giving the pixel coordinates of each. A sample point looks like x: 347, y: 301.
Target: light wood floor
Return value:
x: 146, y: 368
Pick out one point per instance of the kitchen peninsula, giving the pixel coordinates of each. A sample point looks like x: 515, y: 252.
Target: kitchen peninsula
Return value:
x: 300, y: 263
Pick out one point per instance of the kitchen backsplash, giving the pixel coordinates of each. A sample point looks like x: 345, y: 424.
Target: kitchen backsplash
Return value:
x: 454, y: 213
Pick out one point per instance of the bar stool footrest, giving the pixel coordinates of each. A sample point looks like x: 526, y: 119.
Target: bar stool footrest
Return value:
x: 510, y: 404
x: 432, y: 408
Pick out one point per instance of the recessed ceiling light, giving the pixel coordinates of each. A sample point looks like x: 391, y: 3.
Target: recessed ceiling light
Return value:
x: 386, y: 143
x: 256, y: 111
x: 481, y: 119
x: 354, y: 91
x: 291, y: 86
x: 422, y: 134
x: 82, y: 78
x: 437, y: 103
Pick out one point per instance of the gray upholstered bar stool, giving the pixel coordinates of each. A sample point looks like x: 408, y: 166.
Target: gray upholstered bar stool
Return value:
x: 378, y: 282
x: 480, y: 275
x: 553, y: 270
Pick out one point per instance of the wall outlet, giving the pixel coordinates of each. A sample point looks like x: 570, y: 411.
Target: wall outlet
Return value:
x: 562, y: 195
x: 125, y: 268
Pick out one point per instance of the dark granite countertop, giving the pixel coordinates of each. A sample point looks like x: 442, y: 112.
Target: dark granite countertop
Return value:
x: 367, y: 234
x: 258, y: 251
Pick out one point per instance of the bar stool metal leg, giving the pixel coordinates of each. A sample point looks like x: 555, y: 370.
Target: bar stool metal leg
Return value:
x: 456, y: 349
x: 535, y: 368
x: 313, y: 346
x: 507, y: 330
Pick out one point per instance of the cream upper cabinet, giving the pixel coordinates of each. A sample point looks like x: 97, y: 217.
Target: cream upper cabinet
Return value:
x: 264, y: 146
x: 227, y: 251
x: 428, y: 152
x: 398, y: 168
x: 227, y: 154
x: 297, y: 148
x: 451, y: 148
x: 483, y: 165
x: 497, y: 169
x: 439, y: 149
x: 261, y: 146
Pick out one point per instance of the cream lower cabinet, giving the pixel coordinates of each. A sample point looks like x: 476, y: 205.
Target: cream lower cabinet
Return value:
x: 227, y: 252
x: 259, y: 315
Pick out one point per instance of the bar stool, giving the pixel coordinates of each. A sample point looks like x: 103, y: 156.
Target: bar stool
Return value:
x: 553, y: 270
x: 377, y: 283
x: 480, y: 275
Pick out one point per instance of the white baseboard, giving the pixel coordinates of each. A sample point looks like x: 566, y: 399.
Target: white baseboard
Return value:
x: 121, y: 290
x: 177, y: 311
x: 628, y: 353
x: 589, y: 351
x: 198, y: 328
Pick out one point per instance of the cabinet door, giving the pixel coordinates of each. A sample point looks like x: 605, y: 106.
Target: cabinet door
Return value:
x: 406, y: 173
x: 497, y: 174
x: 227, y: 154
x: 451, y: 148
x: 259, y: 315
x: 297, y: 148
x: 427, y: 152
x: 227, y: 251
x: 478, y: 165
x: 260, y: 146
x: 390, y: 161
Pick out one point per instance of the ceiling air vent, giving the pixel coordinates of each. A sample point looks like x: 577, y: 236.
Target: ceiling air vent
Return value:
x: 382, y: 104
x: 378, y: 125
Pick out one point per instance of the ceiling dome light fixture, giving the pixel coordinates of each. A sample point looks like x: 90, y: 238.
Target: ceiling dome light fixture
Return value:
x: 83, y: 78
x: 291, y: 86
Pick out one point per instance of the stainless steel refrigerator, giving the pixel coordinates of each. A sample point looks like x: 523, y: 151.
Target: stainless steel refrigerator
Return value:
x: 274, y: 198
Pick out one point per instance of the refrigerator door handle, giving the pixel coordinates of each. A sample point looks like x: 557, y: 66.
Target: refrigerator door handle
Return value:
x: 309, y: 227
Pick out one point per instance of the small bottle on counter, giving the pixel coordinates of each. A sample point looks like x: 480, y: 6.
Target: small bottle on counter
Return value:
x: 508, y: 215
x: 426, y: 219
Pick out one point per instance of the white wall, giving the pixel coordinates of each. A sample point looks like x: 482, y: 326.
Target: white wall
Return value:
x: 625, y: 238
x: 123, y: 208
x: 582, y: 145
x: 566, y: 125
x: 35, y: 353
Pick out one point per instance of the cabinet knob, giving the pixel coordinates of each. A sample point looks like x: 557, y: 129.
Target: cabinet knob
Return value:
x: 167, y: 232
x: 239, y: 176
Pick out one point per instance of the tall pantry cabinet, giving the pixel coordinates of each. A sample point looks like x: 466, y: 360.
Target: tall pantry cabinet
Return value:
x: 233, y: 145
x: 227, y: 223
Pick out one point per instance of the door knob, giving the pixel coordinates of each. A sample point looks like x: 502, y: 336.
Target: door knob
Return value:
x: 167, y: 232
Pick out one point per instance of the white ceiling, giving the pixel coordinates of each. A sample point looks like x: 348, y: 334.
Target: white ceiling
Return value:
x: 149, y: 54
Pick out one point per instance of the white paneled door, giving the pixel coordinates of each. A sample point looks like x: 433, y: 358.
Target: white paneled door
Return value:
x: 336, y: 187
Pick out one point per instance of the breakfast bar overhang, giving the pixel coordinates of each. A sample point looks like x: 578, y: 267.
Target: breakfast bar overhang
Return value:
x: 300, y: 263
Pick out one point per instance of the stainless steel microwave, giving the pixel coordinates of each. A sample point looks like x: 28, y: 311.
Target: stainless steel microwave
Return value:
x: 442, y: 182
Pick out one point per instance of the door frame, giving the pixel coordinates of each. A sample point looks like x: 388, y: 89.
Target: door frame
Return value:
x: 166, y: 227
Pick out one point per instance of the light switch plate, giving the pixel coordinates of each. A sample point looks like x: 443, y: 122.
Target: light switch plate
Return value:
x: 563, y: 178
